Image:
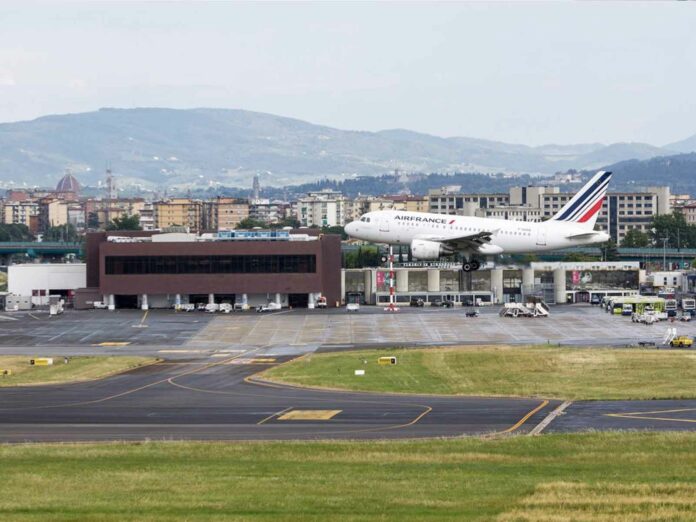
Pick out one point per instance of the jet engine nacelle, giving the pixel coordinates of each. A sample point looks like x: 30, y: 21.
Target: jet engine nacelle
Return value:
x: 424, y: 249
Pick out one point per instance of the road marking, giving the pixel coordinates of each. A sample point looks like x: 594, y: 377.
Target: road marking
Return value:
x: 549, y: 418
x: 309, y: 415
x: 526, y: 417
x: 262, y: 421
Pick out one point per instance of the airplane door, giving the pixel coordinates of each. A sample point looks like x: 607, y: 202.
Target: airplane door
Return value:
x: 384, y: 225
x: 541, y: 236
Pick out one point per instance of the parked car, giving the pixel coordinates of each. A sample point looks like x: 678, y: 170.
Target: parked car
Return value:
x: 472, y: 313
x: 352, y: 307
x: 440, y: 302
x: 595, y: 300
x: 416, y: 302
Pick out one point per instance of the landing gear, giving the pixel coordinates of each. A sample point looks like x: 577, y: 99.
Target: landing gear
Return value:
x: 469, y: 266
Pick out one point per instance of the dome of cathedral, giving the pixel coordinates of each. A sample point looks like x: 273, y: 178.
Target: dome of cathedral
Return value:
x: 68, y: 183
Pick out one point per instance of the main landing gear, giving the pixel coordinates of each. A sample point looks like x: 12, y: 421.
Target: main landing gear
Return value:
x: 469, y: 266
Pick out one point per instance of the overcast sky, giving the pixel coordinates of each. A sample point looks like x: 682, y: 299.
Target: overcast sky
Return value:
x: 531, y: 73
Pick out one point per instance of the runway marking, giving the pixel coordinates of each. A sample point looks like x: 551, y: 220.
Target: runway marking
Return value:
x: 309, y: 415
x: 262, y: 421
x: 181, y: 351
x: 549, y: 418
x: 526, y: 417
x: 112, y: 343
x: 648, y: 415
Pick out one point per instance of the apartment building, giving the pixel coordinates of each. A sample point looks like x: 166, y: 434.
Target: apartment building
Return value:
x: 325, y: 208
x: 689, y: 212
x: 184, y: 212
x: 446, y: 201
x: 224, y: 213
x: 100, y: 212
x: 53, y: 212
x: 24, y: 212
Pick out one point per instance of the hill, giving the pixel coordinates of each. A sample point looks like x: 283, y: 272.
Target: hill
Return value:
x: 677, y: 171
x: 208, y: 147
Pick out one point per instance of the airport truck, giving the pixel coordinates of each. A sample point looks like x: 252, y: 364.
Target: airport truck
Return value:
x: 671, y: 307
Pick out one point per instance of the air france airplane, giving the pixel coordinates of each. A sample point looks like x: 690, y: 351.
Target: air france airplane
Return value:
x: 433, y: 235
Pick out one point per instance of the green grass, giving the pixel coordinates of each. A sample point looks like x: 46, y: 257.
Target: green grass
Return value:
x: 78, y: 369
x: 566, y: 373
x: 614, y: 477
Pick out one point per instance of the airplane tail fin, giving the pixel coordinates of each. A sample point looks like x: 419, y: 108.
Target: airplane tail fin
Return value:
x: 584, y: 207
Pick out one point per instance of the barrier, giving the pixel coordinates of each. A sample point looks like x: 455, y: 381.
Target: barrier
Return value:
x: 386, y: 360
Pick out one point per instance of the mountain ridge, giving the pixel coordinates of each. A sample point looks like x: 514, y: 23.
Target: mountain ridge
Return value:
x: 206, y: 147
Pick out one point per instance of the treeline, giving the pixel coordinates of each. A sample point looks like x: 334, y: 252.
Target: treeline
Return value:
x: 12, y: 232
x: 671, y: 231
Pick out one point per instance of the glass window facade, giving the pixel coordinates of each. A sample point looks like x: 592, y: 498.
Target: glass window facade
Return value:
x: 265, y: 264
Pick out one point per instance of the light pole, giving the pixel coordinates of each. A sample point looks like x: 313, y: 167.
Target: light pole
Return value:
x: 664, y: 253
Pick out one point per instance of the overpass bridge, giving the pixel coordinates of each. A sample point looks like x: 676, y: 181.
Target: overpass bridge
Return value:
x: 34, y: 249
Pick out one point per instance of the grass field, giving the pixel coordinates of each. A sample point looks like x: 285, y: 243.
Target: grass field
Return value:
x: 565, y: 373
x: 608, y: 477
x: 78, y: 369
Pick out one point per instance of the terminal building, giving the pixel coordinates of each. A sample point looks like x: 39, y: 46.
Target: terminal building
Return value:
x: 554, y: 282
x: 149, y: 270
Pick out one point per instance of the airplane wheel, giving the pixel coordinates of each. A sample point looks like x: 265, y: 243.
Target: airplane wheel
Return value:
x: 466, y: 267
x: 475, y: 265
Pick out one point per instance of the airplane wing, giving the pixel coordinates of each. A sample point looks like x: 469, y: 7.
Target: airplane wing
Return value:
x: 462, y: 242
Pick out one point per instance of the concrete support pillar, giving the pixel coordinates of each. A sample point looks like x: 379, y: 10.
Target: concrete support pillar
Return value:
x: 369, y: 287
x: 311, y: 302
x: 559, y: 285
x: 433, y: 280
x: 177, y: 299
x: 277, y: 298
x: 497, y: 285
x: 402, y: 280
x: 527, y: 281
x: 143, y: 302
x: 211, y: 298
x: 343, y: 286
x: 245, y: 299
x: 111, y: 302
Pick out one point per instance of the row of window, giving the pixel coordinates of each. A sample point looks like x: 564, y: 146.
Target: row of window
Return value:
x: 267, y: 264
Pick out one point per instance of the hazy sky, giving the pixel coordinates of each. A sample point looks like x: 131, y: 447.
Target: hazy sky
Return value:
x: 521, y: 72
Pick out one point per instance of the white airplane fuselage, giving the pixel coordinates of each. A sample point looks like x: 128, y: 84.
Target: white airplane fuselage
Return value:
x: 400, y: 227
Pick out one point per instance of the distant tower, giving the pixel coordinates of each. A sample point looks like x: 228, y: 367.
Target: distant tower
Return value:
x: 256, y: 187
x: 110, y: 185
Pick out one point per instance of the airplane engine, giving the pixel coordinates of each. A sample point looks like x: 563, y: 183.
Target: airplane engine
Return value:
x: 426, y: 250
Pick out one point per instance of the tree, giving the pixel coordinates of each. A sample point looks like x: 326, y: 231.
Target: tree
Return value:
x: 15, y: 232
x: 249, y: 223
x: 65, y: 233
x: 635, y: 238
x: 289, y: 222
x: 673, y: 227
x: 125, y: 222
x: 335, y: 230
x: 364, y: 256
x: 93, y: 221
x: 609, y: 251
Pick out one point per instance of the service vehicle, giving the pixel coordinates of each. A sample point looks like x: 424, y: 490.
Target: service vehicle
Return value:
x: 682, y: 341
x: 321, y: 302
x: 671, y: 307
x: 472, y: 313
x: 270, y: 307
x: 416, y: 302
x: 627, y: 309
x: 352, y: 307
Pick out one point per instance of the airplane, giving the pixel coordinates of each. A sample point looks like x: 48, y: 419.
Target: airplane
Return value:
x: 431, y: 236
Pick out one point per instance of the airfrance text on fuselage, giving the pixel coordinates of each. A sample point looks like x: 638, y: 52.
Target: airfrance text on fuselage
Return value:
x: 442, y: 221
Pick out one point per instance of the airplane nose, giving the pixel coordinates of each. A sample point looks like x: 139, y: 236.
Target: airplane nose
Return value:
x: 350, y: 228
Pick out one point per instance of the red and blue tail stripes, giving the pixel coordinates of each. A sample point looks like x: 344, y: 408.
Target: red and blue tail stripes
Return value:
x: 586, y: 203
